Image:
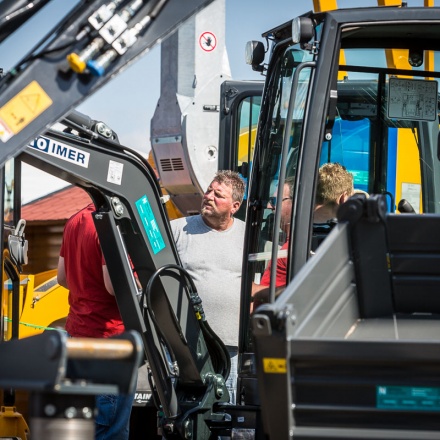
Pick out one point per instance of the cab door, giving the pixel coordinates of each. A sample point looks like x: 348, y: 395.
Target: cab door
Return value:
x: 240, y: 103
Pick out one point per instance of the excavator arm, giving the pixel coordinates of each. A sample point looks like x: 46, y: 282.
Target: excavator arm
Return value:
x: 85, y: 49
x: 188, y: 364
x: 156, y: 297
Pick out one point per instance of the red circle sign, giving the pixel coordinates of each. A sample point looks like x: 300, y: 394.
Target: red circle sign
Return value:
x: 207, y: 41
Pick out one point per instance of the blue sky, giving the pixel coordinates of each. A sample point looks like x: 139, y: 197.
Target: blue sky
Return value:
x: 138, y: 87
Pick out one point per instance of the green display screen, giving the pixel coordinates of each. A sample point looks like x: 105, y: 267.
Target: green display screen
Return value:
x: 408, y: 398
x: 151, y: 228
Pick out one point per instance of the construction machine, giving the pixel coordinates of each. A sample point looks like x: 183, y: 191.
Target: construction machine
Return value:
x: 182, y: 353
x: 90, y: 45
x: 348, y: 349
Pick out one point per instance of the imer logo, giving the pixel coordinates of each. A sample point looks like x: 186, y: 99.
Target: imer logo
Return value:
x: 62, y: 151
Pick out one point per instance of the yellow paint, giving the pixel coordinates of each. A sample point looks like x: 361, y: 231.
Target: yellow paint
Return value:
x: 12, y: 423
x: 408, y: 161
x: 76, y: 63
x: 243, y: 144
x: 397, y: 58
x: 389, y: 2
x: 274, y: 365
x: 429, y: 61
x: 24, y: 107
x: 42, y: 303
x: 324, y: 5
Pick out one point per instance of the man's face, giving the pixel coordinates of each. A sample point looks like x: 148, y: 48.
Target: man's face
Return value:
x: 285, y: 204
x: 217, y: 201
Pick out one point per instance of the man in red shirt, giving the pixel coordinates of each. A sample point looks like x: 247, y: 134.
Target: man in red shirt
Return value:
x: 335, y: 187
x: 285, y: 204
x: 260, y: 291
x: 93, y: 310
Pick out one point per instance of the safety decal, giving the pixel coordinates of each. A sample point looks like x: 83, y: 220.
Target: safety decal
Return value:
x: 208, y: 41
x: 115, y: 170
x: 412, y: 99
x: 61, y: 151
x: 150, y: 224
x: 22, y: 109
x: 274, y: 365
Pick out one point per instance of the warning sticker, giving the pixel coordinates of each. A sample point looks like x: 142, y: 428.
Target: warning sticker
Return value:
x: 114, y: 174
x: 22, y: 109
x: 208, y: 41
x: 274, y: 365
x: 413, y: 99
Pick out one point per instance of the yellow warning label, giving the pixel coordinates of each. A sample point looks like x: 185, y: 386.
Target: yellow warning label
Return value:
x: 274, y: 365
x: 24, y: 107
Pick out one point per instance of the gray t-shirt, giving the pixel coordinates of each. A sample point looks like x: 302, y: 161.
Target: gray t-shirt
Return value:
x: 214, y: 261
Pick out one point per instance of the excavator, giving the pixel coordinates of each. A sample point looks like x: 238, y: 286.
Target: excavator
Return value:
x: 85, y: 49
x: 349, y: 348
x: 346, y: 350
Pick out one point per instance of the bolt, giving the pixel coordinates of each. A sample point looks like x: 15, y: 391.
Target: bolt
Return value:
x: 70, y: 412
x: 103, y: 129
x: 87, y: 412
x: 187, y: 430
x: 118, y: 208
x: 50, y: 410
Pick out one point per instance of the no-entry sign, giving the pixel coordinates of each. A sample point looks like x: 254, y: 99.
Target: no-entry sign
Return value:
x: 208, y: 41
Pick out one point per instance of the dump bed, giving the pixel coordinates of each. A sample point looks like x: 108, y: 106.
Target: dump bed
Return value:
x: 351, y: 348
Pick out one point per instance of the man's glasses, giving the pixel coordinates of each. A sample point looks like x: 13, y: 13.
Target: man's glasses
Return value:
x: 273, y: 200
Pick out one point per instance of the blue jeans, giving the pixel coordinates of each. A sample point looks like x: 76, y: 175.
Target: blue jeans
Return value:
x: 113, y: 419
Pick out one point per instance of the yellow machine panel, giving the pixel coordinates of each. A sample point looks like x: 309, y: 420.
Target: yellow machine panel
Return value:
x: 43, y: 304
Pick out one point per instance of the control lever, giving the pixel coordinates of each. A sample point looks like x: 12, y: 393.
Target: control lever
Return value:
x: 18, y: 246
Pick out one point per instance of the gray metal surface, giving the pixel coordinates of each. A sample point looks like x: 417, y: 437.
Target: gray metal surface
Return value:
x: 185, y: 125
x: 323, y: 294
x: 337, y: 359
